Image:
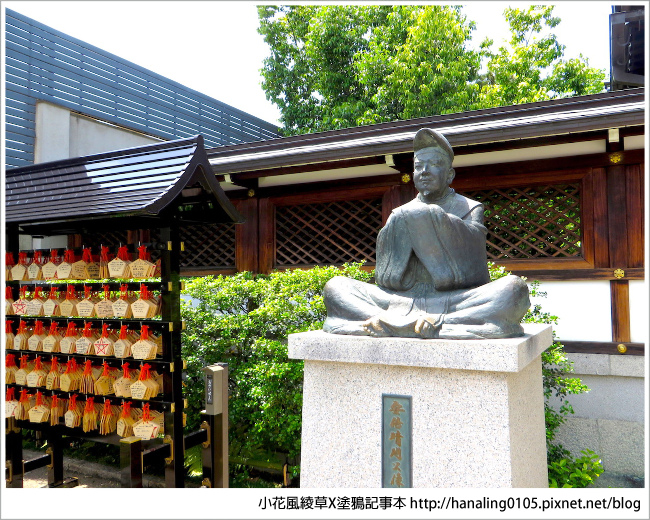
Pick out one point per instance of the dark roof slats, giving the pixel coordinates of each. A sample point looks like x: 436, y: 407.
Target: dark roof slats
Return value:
x: 136, y: 182
x: 511, y: 123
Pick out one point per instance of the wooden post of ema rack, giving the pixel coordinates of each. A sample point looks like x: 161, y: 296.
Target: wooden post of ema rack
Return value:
x: 215, y: 421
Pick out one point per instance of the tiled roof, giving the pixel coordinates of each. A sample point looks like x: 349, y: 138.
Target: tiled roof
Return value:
x: 141, y: 181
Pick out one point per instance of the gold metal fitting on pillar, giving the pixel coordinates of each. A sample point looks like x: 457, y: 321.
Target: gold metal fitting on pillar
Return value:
x: 168, y: 440
x: 621, y: 348
x: 406, y: 178
x: 205, y: 426
x: 251, y: 193
x: 619, y: 273
x: 615, y: 157
x: 50, y: 452
x: 10, y: 467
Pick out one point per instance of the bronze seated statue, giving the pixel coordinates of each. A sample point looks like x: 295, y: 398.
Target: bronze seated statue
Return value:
x: 432, y: 276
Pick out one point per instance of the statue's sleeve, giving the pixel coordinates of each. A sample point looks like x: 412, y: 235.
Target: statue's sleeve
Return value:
x: 394, y: 254
x: 452, y: 249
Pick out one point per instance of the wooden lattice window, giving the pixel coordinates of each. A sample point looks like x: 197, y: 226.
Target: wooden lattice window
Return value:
x: 208, y: 245
x: 110, y: 239
x: 328, y: 233
x: 532, y: 222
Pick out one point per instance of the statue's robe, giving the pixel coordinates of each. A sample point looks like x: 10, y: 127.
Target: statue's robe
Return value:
x: 432, y: 266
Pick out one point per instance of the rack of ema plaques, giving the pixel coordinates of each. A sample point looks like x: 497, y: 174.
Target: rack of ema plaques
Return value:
x: 93, y: 351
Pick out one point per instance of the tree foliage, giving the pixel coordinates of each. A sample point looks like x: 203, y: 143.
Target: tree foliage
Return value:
x: 339, y: 66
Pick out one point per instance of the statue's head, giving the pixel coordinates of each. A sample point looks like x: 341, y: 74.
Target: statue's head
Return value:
x: 432, y: 160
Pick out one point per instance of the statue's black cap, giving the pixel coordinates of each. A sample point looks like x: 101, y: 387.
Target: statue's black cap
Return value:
x: 429, y: 138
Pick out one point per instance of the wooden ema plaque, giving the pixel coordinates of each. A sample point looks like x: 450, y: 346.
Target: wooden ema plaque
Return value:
x: 19, y: 271
x: 34, y: 269
x: 50, y: 267
x: 119, y: 266
x: 68, y: 307
x: 35, y: 305
x: 52, y: 304
x: 142, y: 267
x: 20, y: 305
x: 104, y: 307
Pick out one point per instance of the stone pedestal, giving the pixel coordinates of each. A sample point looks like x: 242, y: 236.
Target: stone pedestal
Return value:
x: 477, y: 409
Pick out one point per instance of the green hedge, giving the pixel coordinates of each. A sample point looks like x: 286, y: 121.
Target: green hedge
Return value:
x: 244, y: 320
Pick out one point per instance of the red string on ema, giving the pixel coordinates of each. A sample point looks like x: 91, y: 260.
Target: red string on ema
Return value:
x: 72, y: 329
x: 123, y: 254
x: 68, y: 256
x: 123, y: 331
x: 146, y: 414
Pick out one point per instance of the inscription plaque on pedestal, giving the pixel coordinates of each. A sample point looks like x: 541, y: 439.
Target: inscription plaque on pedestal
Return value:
x: 396, y: 455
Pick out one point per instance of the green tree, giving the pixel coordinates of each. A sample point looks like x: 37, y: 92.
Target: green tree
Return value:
x: 340, y: 66
x: 532, y: 68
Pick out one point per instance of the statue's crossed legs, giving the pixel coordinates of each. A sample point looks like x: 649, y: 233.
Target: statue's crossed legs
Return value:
x: 360, y: 308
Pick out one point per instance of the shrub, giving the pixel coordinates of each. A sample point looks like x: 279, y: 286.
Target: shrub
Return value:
x: 578, y: 473
x: 244, y: 320
x: 556, y: 370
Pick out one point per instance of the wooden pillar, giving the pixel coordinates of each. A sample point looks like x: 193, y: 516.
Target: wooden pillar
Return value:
x: 13, y: 454
x: 600, y: 221
x: 396, y: 196
x: 55, y: 450
x: 617, y: 216
x: 131, y: 462
x: 635, y: 214
x: 247, y: 236
x: 173, y: 382
x: 266, y: 236
x: 620, y: 293
x: 74, y: 241
x: 621, y: 201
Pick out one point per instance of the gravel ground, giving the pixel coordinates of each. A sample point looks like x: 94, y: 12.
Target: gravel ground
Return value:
x: 90, y: 474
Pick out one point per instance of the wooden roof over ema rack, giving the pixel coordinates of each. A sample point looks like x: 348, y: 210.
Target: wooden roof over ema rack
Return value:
x: 148, y: 186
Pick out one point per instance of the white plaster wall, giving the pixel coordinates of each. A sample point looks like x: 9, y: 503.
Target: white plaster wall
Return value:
x: 538, y: 152
x: 634, y: 142
x: 52, y: 133
x: 51, y: 242
x: 610, y: 418
x: 583, y: 309
x: 639, y: 312
x: 61, y: 134
x: 89, y: 136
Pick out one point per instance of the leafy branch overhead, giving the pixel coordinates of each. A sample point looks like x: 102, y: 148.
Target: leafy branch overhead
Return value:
x: 340, y: 66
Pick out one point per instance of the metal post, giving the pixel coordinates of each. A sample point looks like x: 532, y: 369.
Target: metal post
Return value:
x: 215, y: 421
x: 13, y: 454
x: 131, y: 462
